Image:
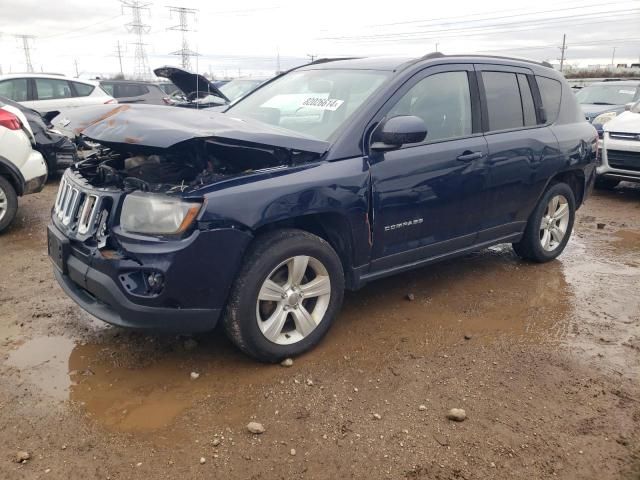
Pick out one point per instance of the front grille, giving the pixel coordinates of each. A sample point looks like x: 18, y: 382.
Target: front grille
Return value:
x: 624, y: 136
x: 79, y: 209
x: 624, y: 160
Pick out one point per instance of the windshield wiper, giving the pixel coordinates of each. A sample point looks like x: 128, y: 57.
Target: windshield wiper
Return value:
x: 602, y: 103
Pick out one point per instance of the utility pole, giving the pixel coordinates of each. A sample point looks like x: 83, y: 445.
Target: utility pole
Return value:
x: 183, y: 16
x: 613, y: 57
x: 563, y: 49
x: 75, y: 63
x: 312, y: 57
x: 141, y: 67
x: 437, y: 46
x: 25, y: 39
x: 119, y: 55
x: 278, y: 62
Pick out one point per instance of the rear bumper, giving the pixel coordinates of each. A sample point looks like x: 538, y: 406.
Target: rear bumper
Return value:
x: 34, y: 172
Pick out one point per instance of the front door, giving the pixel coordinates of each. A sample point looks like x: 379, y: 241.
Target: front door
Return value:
x: 427, y: 197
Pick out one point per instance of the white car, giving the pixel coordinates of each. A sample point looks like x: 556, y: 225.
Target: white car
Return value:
x: 621, y: 149
x: 23, y: 170
x: 46, y: 93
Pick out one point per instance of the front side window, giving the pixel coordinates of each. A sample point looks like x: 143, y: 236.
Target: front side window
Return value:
x: 49, y: 89
x: 14, y: 89
x: 443, y: 101
x: 311, y: 102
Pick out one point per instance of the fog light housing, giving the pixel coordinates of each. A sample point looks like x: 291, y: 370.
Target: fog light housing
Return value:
x: 155, y: 280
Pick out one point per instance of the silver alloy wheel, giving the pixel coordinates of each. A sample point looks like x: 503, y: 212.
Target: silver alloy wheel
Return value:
x: 4, y: 204
x: 293, y: 300
x: 555, y: 221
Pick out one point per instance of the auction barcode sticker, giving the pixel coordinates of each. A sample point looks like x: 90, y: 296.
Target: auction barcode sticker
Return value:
x: 330, y: 104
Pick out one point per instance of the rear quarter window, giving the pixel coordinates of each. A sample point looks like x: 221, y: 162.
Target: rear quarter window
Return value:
x: 551, y: 94
x: 82, y: 89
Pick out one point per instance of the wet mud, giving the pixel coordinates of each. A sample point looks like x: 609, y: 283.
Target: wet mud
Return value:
x: 544, y: 358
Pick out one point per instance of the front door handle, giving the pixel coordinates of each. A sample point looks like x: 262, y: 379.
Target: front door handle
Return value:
x: 468, y: 156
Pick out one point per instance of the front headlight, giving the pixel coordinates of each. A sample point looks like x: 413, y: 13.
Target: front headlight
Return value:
x: 605, y: 117
x: 157, y: 214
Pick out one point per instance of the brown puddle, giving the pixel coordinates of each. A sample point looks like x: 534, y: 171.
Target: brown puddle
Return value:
x: 627, y: 239
x: 136, y: 383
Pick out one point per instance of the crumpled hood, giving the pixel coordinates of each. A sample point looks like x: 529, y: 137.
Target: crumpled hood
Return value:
x: 162, y: 127
x: 592, y: 110
x: 193, y: 85
x: 627, y: 122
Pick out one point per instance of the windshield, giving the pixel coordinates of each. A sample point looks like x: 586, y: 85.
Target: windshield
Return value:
x: 239, y: 88
x: 312, y: 102
x: 607, y: 94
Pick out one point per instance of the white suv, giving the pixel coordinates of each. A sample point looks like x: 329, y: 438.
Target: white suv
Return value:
x: 621, y: 149
x: 22, y: 169
x: 47, y: 93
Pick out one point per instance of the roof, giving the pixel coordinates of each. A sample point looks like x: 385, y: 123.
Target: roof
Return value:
x: 396, y: 63
x: 46, y: 75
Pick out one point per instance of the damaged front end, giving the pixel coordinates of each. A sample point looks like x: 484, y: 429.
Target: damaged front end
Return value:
x: 126, y: 227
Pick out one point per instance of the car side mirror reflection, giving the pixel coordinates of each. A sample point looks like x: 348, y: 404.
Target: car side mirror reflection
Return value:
x: 397, y: 131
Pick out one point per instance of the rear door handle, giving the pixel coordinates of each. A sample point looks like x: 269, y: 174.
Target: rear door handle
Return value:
x: 468, y: 156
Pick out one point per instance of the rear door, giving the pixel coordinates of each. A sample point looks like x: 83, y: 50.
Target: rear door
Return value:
x: 426, y: 195
x: 521, y: 148
x: 52, y: 94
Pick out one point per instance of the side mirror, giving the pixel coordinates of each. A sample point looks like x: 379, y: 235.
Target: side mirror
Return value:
x: 397, y: 131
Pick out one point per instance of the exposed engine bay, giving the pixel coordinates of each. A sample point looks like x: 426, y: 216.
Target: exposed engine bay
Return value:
x: 184, y: 166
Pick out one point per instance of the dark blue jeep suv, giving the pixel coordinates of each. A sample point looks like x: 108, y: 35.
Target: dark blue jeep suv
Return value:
x: 325, y: 178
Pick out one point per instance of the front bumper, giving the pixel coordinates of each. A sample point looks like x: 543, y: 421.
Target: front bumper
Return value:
x: 197, y: 278
x: 620, y: 159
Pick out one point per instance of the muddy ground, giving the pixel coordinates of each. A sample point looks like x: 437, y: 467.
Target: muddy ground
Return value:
x: 549, y: 374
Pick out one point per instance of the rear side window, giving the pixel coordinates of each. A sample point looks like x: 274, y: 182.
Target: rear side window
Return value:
x: 49, y: 89
x: 551, y: 92
x: 528, y: 107
x: 129, y: 90
x: 82, y: 89
x: 14, y: 89
x: 504, y: 106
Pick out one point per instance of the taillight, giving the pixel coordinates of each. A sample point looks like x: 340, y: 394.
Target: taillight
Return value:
x: 113, y: 100
x: 9, y: 120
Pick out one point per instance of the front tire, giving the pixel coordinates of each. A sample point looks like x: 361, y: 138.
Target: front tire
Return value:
x: 287, y: 294
x: 550, y: 225
x: 8, y: 203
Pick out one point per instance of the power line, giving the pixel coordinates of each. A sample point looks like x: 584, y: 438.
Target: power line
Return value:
x: 183, y: 16
x: 141, y: 64
x: 26, y: 47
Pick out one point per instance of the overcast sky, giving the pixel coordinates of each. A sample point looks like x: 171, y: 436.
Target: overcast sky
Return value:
x: 243, y: 37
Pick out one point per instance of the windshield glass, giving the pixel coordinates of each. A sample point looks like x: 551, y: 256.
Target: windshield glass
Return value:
x: 311, y: 102
x: 239, y: 88
x: 607, y: 94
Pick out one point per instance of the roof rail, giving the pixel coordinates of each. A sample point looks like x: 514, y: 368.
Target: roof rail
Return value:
x: 440, y: 55
x: 331, y: 59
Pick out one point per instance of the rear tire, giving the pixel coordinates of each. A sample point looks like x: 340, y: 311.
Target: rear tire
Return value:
x: 606, y: 183
x: 286, y: 295
x: 8, y: 203
x: 550, y: 225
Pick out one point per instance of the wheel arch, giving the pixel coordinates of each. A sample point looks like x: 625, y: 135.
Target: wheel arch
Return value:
x: 575, y: 179
x: 332, y: 227
x: 13, y: 175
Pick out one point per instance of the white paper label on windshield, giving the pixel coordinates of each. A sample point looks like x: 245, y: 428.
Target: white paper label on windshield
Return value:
x: 318, y: 103
x: 628, y: 92
x: 292, y: 102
